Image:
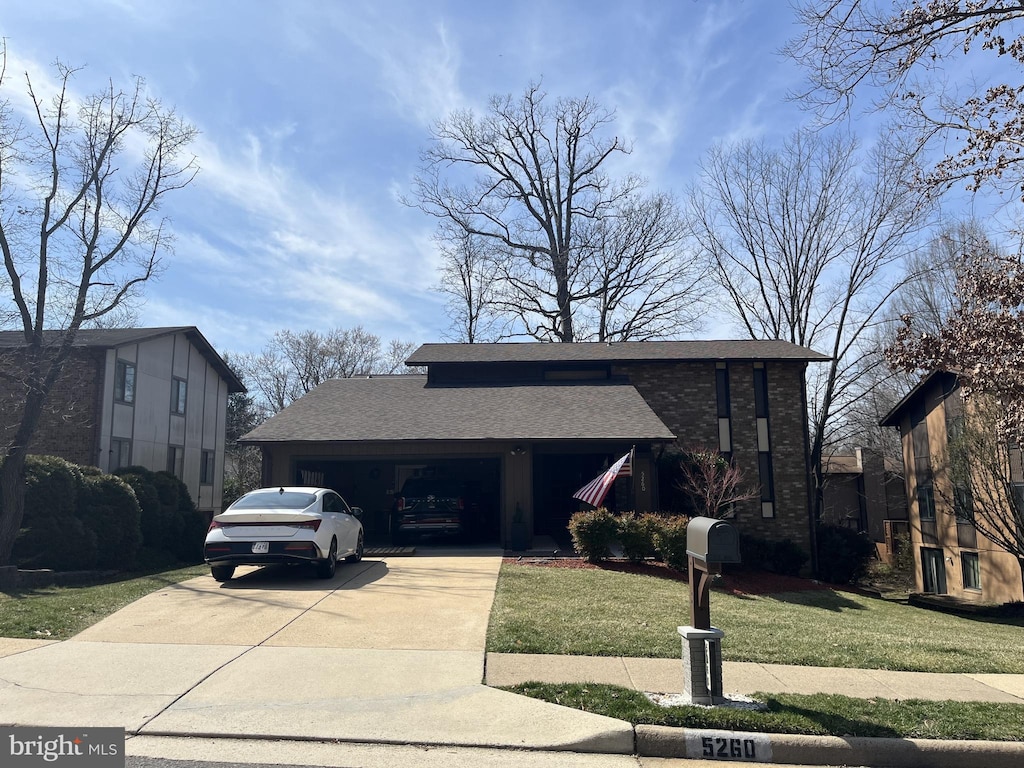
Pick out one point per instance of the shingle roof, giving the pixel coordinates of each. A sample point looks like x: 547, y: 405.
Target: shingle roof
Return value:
x: 108, y: 338
x: 404, y: 408
x: 593, y: 352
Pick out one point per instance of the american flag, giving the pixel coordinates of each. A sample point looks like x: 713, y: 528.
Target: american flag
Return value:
x: 593, y: 493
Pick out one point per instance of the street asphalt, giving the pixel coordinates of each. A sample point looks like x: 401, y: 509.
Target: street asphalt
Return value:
x: 391, y: 652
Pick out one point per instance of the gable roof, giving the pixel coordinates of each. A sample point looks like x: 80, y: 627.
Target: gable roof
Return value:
x: 611, y: 352
x: 405, y: 408
x: 895, y: 415
x: 110, y: 338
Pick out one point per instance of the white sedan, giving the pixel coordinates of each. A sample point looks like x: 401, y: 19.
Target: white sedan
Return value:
x: 285, y: 525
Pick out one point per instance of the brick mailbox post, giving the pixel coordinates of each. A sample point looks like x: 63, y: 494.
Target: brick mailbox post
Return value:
x: 709, y: 544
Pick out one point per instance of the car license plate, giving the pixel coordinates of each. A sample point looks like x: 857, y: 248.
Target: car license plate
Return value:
x: 260, y: 547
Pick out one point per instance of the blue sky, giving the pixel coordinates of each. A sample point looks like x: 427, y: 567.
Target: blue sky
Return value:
x: 312, y: 115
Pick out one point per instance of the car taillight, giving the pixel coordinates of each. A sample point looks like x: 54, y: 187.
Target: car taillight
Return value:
x: 312, y: 525
x: 400, y: 504
x: 214, y: 524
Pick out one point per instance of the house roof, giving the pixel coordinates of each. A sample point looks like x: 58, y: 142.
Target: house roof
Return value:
x: 617, y: 351
x: 895, y: 416
x: 391, y: 408
x: 109, y: 338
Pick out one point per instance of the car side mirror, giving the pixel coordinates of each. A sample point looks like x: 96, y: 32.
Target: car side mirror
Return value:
x: 357, y: 511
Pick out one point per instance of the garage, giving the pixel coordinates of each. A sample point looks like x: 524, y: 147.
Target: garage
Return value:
x: 376, y: 484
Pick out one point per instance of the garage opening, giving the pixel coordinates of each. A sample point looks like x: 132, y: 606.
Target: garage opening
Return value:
x: 375, y: 486
x: 556, y: 477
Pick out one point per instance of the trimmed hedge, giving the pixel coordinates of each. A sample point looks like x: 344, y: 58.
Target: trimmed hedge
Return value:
x: 843, y: 555
x: 670, y: 541
x: 636, y: 535
x: 78, y: 518
x: 593, y: 533
x: 782, y: 557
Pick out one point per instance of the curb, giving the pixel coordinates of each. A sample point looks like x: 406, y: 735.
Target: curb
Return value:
x: 665, y: 741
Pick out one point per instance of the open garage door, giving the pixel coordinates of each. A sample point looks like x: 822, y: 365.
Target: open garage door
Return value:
x: 374, y: 485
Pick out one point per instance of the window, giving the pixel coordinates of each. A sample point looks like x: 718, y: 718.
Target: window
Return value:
x: 206, y: 468
x: 724, y: 408
x: 926, y: 499
x: 178, y: 391
x: 963, y: 503
x: 972, y: 570
x: 766, y: 473
x: 120, y: 453
x: 124, y: 382
x: 176, y: 461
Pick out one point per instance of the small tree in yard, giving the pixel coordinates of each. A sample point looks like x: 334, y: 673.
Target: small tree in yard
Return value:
x: 80, y: 184
x: 713, y: 482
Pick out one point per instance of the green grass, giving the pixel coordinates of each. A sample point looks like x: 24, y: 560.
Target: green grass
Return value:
x: 57, y: 613
x: 820, y: 714
x: 606, y: 613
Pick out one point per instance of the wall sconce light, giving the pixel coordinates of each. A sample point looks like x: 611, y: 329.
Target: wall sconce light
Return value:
x: 518, y: 451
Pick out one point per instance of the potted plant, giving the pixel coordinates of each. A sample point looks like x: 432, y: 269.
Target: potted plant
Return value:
x: 520, y: 538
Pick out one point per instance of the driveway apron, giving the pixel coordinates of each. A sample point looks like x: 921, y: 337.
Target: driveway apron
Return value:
x: 389, y: 650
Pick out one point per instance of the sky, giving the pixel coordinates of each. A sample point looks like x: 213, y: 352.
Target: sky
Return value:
x: 312, y: 116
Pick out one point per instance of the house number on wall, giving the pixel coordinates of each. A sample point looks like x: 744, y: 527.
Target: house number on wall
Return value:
x: 643, y: 481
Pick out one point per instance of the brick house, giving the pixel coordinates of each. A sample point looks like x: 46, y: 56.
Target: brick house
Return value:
x: 951, y: 557
x: 531, y: 423
x: 155, y: 397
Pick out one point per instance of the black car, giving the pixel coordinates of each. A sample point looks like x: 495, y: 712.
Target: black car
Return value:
x: 428, y: 506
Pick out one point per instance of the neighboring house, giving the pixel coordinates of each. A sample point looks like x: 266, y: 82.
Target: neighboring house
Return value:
x: 155, y: 397
x: 951, y: 557
x: 865, y: 492
x: 526, y: 425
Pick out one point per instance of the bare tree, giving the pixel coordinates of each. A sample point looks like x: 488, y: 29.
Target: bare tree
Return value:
x: 81, y: 181
x: 292, y: 364
x: 527, y: 181
x: 713, y: 482
x: 899, y: 53
x: 468, y: 280
x: 806, y: 243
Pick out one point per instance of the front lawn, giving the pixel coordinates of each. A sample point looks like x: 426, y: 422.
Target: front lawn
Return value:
x: 596, y: 612
x: 57, y: 613
x: 819, y: 714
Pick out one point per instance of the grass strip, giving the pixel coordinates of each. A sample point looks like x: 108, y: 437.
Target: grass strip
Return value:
x: 57, y: 613
x: 593, y: 612
x: 818, y: 714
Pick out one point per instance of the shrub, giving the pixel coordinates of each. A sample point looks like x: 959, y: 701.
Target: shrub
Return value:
x: 636, y: 535
x: 843, y: 555
x: 51, y: 535
x: 593, y: 533
x: 783, y: 557
x: 108, y: 507
x: 670, y: 541
x: 154, y: 521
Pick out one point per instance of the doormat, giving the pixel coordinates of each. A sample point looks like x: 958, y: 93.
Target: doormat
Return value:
x: 389, y: 551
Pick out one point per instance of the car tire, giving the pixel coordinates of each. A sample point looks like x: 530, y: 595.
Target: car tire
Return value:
x: 325, y: 568
x: 222, y: 572
x: 356, y: 556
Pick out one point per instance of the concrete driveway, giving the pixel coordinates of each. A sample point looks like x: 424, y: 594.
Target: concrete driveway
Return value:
x: 390, y: 650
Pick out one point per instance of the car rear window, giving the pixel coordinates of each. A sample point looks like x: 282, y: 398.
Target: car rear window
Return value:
x: 426, y: 486
x: 275, y: 500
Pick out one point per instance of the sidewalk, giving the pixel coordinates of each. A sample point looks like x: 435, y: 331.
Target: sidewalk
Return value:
x: 666, y: 676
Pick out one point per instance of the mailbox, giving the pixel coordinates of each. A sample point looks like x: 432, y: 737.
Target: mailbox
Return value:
x: 712, y: 541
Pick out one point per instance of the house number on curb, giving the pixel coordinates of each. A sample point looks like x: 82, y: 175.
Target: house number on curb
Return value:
x: 728, y: 745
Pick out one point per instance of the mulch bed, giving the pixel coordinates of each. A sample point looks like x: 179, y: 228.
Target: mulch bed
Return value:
x: 738, y: 583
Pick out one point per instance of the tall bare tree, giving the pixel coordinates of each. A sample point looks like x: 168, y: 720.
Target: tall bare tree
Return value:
x: 468, y: 282
x: 81, y: 181
x: 903, y: 56
x: 293, y: 363
x: 528, y: 181
x: 809, y: 241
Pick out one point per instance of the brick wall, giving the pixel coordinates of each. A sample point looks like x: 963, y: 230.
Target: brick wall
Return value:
x: 684, y: 397
x: 69, y: 424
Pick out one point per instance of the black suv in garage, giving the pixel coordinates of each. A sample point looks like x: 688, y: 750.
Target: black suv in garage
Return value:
x: 428, y: 506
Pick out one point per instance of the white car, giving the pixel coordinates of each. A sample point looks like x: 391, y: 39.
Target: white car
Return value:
x: 284, y: 525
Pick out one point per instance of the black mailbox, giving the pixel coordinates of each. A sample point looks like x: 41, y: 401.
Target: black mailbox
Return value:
x: 712, y: 541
